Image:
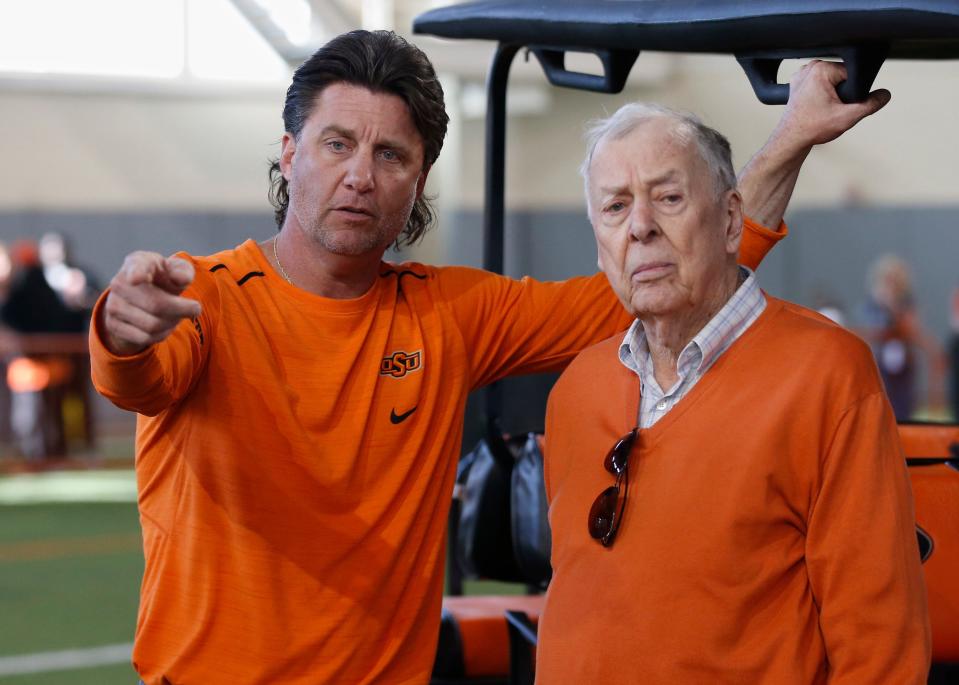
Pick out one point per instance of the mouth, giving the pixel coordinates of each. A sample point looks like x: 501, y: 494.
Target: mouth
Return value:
x: 651, y: 271
x: 354, y: 210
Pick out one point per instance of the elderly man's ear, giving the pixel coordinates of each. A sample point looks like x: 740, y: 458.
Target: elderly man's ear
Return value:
x: 734, y: 221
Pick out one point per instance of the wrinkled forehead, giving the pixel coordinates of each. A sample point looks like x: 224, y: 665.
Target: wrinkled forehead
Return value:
x: 655, y: 149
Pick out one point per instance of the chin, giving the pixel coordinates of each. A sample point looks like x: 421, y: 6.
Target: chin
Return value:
x: 351, y: 243
x: 346, y: 249
x: 652, y: 306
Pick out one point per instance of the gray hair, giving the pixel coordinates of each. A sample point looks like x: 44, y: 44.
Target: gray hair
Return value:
x: 712, y: 145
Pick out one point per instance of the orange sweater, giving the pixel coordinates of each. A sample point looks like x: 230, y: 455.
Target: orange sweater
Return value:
x: 296, y: 455
x: 768, y: 535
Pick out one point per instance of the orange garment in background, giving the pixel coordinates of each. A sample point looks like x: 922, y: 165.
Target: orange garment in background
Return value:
x: 296, y: 458
x: 768, y: 536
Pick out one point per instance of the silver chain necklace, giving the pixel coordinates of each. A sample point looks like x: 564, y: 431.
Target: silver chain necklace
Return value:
x: 277, y: 258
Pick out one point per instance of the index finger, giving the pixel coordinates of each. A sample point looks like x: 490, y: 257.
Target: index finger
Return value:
x: 140, y: 267
x: 174, y: 275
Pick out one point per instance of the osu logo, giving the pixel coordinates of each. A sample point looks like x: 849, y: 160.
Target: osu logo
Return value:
x: 399, y: 364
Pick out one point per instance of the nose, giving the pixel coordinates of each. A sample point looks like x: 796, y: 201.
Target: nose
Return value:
x: 359, y: 174
x: 642, y: 222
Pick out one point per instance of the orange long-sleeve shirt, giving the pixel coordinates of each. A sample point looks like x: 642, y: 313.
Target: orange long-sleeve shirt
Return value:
x: 296, y: 455
x: 768, y: 535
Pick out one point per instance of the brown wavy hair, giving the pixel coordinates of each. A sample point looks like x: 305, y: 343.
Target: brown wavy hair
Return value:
x: 382, y: 62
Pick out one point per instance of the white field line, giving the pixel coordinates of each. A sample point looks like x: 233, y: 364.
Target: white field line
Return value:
x: 69, y: 486
x: 66, y: 660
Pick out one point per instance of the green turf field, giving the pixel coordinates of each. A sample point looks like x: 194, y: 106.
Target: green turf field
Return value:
x: 69, y: 578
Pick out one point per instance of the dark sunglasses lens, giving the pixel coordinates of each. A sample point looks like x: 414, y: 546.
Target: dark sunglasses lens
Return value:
x: 617, y: 458
x: 602, y: 512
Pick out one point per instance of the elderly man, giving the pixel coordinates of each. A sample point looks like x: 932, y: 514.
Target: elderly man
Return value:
x: 752, y: 521
x: 301, y: 399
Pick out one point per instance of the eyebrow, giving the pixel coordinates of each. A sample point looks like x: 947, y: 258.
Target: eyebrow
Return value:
x: 671, y: 175
x: 347, y: 133
x: 338, y: 130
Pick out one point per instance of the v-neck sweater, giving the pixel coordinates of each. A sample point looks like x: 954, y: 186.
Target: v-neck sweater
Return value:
x: 768, y: 535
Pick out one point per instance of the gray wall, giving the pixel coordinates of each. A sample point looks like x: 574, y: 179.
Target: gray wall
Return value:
x: 99, y: 240
x: 831, y: 250
x: 828, y: 251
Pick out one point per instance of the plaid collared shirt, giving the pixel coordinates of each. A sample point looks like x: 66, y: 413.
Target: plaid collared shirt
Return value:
x: 730, y: 322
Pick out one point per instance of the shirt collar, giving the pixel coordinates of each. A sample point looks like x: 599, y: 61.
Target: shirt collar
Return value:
x: 744, y: 307
x: 729, y: 322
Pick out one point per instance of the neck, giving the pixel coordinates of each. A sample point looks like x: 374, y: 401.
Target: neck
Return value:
x: 310, y: 267
x: 668, y: 335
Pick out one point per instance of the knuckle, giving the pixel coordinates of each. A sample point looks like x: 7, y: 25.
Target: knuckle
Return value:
x: 138, y: 264
x: 122, y: 333
x: 153, y: 305
x: 121, y: 278
x: 133, y: 260
x: 148, y: 326
x: 138, y: 337
x: 114, y: 304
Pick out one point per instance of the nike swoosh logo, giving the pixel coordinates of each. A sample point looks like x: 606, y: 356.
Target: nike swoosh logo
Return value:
x: 400, y: 418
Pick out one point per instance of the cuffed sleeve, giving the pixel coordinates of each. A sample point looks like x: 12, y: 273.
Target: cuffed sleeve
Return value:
x: 758, y: 240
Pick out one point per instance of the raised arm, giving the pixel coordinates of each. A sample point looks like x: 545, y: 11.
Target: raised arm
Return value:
x: 814, y: 115
x: 144, y: 303
x: 142, y: 358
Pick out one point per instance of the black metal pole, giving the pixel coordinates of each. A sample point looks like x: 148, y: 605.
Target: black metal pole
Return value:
x: 493, y: 220
x: 494, y: 207
x: 495, y: 201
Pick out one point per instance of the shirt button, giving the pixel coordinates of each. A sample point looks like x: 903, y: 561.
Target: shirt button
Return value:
x: 661, y: 405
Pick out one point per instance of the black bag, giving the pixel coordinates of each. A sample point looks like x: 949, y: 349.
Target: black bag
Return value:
x: 529, y: 513
x: 484, y: 542
x: 503, y: 533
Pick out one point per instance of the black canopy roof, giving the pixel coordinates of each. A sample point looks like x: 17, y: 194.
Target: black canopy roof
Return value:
x: 907, y: 28
x: 760, y: 33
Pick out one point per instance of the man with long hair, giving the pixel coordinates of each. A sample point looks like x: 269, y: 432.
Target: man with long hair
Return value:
x: 301, y: 399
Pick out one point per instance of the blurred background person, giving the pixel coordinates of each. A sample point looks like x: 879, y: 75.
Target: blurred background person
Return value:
x: 78, y: 289
x: 75, y: 285
x: 39, y: 370
x: 828, y: 305
x: 32, y: 305
x: 7, y: 343
x: 891, y: 325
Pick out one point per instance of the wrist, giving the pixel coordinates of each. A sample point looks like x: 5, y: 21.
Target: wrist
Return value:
x: 783, y: 150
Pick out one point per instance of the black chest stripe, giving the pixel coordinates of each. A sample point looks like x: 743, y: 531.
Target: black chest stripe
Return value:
x: 252, y: 274
x: 400, y: 274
